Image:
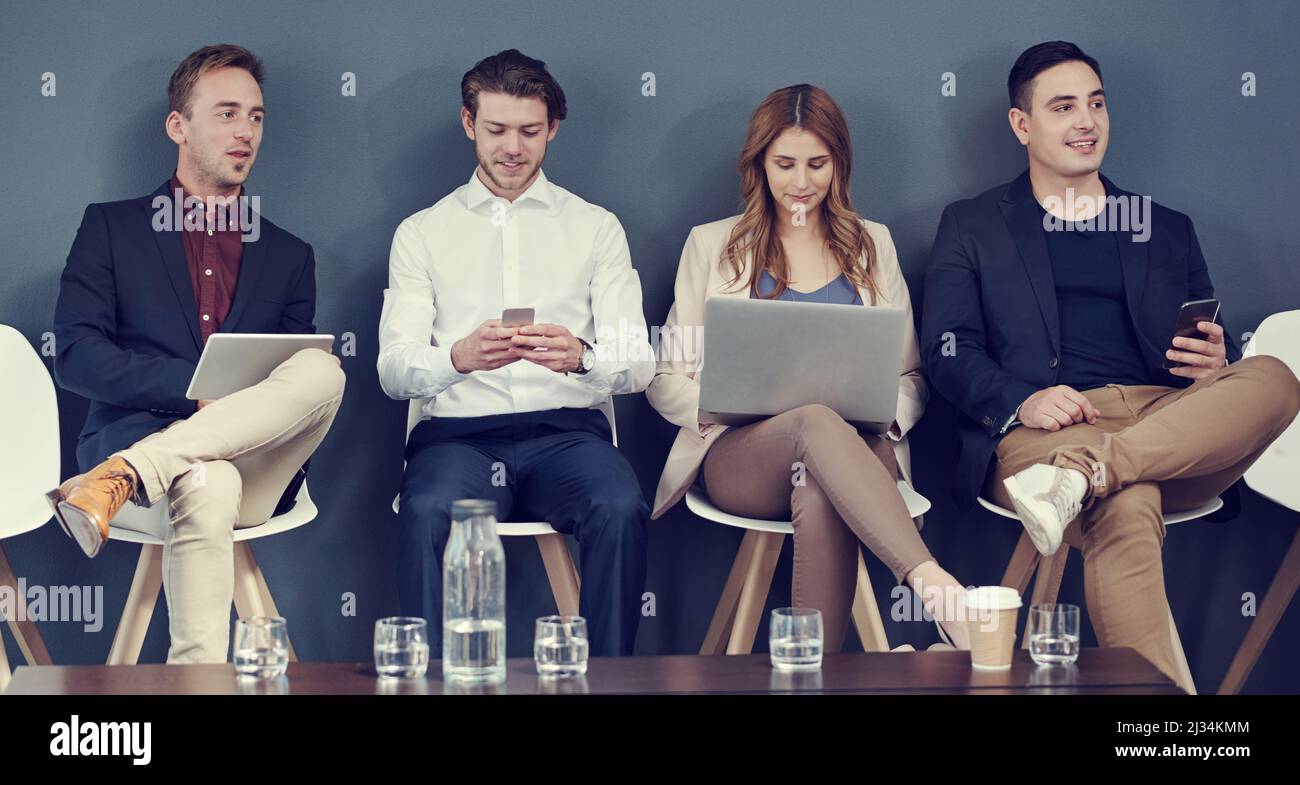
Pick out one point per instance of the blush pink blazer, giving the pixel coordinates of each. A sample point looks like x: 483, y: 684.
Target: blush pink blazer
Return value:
x: 675, y: 393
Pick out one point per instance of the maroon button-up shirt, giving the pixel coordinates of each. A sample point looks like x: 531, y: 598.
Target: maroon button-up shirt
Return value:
x: 213, y: 254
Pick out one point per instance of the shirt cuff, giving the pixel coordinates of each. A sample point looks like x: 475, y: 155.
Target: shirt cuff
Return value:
x: 1011, y: 422
x: 443, y: 371
x: 603, y: 377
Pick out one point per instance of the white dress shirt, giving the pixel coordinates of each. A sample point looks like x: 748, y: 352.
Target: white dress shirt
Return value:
x: 467, y: 258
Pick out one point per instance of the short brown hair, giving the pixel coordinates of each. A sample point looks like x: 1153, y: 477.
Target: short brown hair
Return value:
x: 209, y: 58
x: 513, y: 73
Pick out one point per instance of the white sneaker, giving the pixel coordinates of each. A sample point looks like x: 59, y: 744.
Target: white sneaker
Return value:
x: 1047, y: 498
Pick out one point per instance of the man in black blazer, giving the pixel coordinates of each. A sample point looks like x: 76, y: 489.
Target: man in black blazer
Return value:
x: 1050, y: 305
x: 147, y: 282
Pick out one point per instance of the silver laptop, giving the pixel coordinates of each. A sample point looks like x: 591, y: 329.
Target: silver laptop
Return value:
x: 765, y: 357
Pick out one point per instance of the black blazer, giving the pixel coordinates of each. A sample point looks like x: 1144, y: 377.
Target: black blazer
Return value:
x: 990, y: 285
x: 126, y: 325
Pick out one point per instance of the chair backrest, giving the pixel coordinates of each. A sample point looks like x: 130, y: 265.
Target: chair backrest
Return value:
x: 1274, y: 474
x: 29, y: 431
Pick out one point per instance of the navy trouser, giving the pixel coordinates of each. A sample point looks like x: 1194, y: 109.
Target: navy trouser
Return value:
x: 560, y: 467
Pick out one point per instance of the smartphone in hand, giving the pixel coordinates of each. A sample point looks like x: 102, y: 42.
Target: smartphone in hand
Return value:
x: 1189, y: 315
x: 517, y: 317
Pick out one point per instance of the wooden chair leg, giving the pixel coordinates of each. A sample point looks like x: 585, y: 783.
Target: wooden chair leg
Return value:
x: 250, y: 582
x: 566, y: 586
x: 24, y: 629
x: 4, y: 666
x: 1185, y: 679
x: 753, y: 594
x: 1047, y: 584
x: 248, y: 597
x: 1268, y: 614
x: 866, y: 613
x: 724, y: 615
x: 140, y: 602
x: 1021, y: 567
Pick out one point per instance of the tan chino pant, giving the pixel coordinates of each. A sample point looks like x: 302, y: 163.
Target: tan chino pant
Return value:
x: 1153, y: 450
x: 222, y: 468
x: 846, y: 492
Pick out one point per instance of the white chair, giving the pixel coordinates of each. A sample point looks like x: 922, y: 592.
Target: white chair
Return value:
x: 1275, y: 476
x: 740, y: 608
x: 560, y: 569
x: 146, y: 526
x: 29, y: 426
x: 1051, y: 569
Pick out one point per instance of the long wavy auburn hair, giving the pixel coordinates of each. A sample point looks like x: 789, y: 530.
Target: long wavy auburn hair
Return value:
x: 811, y: 109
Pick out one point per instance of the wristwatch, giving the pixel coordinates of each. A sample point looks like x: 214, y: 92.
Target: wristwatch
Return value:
x: 587, y: 360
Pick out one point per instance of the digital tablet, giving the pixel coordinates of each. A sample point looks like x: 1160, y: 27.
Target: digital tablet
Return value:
x: 234, y: 361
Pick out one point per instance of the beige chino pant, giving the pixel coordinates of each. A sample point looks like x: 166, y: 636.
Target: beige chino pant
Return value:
x: 845, y: 492
x: 225, y: 467
x: 1153, y: 450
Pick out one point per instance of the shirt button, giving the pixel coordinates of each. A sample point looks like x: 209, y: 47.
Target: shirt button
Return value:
x: 1053, y: 363
x: 207, y: 272
x: 205, y: 317
x: 209, y: 233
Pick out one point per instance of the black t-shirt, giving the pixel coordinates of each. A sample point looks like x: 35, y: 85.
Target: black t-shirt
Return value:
x: 1098, y: 342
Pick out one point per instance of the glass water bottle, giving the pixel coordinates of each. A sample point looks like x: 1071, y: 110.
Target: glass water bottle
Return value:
x: 474, y: 595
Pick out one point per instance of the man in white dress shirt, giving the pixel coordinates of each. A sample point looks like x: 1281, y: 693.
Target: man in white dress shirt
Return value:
x: 508, y: 412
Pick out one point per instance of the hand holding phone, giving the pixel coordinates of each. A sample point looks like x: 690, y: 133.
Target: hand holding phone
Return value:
x: 551, y: 346
x: 485, y: 349
x: 520, y: 317
x: 1197, y: 347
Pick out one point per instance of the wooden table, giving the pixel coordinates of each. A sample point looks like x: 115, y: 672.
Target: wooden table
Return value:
x: 1098, y: 671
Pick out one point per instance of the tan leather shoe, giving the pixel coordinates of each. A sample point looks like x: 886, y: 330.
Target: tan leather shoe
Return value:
x: 85, y: 504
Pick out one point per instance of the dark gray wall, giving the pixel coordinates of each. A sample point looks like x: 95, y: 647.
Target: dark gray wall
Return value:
x: 342, y: 172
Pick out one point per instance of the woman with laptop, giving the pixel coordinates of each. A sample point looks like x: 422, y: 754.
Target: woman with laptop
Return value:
x: 800, y: 239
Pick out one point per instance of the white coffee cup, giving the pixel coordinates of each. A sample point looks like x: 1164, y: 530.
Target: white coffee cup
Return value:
x: 991, y: 613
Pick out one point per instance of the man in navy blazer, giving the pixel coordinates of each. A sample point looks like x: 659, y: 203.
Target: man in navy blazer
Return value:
x: 1050, y: 305
x: 147, y: 282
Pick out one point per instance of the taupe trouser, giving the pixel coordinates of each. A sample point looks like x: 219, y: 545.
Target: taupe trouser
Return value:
x: 846, y: 491
x: 222, y: 468
x: 1153, y: 450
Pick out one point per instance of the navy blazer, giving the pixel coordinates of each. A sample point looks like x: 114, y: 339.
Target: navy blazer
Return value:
x: 990, y: 286
x: 126, y: 325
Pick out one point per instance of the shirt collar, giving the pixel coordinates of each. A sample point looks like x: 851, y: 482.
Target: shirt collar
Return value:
x: 233, y: 216
x: 540, y: 191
